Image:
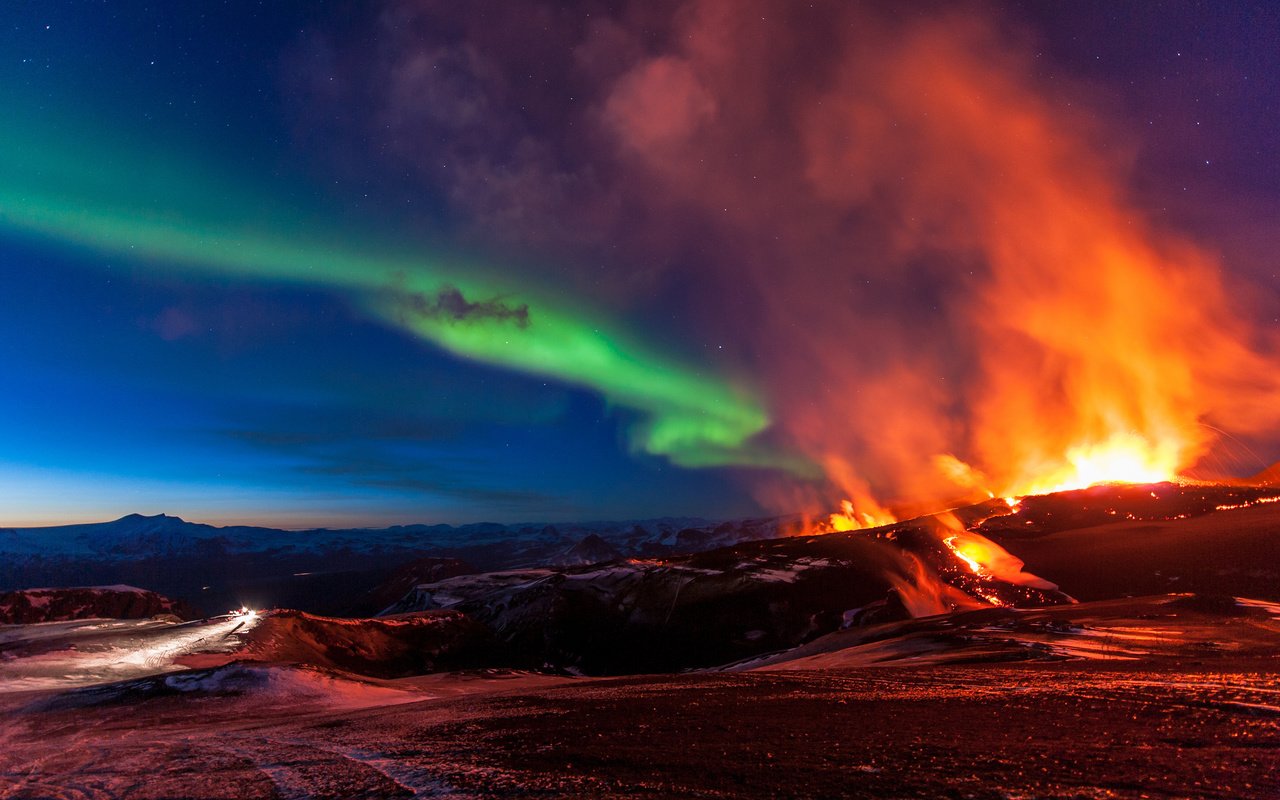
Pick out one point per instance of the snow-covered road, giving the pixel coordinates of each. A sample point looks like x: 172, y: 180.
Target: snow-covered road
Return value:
x: 64, y: 655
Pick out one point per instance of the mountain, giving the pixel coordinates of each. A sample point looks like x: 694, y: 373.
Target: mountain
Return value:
x: 591, y: 550
x: 860, y: 663
x: 714, y: 607
x: 1111, y: 542
x: 654, y: 615
x: 421, y: 570
x: 1268, y: 477
x: 323, y: 570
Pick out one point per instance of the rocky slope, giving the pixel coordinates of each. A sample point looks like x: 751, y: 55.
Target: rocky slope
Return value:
x: 325, y: 571
x: 668, y: 614
x: 665, y: 614
x: 87, y: 602
x: 385, y: 647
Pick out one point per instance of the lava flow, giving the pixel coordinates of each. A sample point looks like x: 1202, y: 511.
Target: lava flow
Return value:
x: 1123, y: 459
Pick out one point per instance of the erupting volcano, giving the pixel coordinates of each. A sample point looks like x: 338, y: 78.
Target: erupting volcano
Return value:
x: 639, y: 398
x: 1095, y: 345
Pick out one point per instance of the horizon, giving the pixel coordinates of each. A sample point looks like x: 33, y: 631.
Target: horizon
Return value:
x: 265, y: 275
x: 522, y: 523
x: 305, y: 528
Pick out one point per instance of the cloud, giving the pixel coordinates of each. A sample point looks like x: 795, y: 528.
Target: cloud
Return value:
x: 659, y: 105
x: 450, y: 305
x: 422, y: 475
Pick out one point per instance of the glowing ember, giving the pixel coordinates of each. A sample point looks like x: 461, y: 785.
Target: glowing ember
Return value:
x: 974, y: 565
x: 1246, y: 504
x: 852, y: 518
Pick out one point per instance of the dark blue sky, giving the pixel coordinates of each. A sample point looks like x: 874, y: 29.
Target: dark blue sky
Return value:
x: 134, y: 382
x: 131, y: 390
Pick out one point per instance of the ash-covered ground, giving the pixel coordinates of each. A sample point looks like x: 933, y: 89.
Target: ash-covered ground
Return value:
x: 797, y: 667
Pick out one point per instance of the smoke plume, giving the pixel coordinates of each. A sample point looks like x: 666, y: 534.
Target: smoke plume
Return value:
x: 923, y: 249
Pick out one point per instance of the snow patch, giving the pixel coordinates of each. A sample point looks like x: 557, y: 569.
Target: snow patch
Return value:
x: 274, y: 683
x: 1271, y: 608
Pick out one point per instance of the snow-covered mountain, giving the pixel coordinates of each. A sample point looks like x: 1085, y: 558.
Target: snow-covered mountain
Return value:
x: 715, y: 606
x: 327, y: 570
x: 642, y: 615
x: 138, y: 536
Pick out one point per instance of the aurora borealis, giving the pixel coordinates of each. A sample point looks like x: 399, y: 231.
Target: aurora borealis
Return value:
x: 691, y: 419
x: 321, y: 264
x: 128, y: 194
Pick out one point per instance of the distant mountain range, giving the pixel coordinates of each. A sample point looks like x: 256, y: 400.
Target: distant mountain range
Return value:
x: 361, y: 571
x: 328, y: 570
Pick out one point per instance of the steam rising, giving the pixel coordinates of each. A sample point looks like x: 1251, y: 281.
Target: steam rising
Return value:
x: 1092, y: 345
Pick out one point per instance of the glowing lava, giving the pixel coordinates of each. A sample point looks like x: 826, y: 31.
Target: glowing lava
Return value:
x: 975, y: 566
x: 1259, y: 501
x: 855, y: 518
x: 1122, y: 458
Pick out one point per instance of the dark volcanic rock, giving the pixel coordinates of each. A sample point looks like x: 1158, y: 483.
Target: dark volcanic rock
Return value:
x: 718, y: 606
x: 87, y: 602
x: 1107, y: 503
x: 422, y: 570
x: 591, y: 550
x: 1212, y: 540
x: 381, y: 647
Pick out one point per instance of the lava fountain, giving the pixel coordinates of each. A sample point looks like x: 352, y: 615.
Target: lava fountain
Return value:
x: 1094, y: 345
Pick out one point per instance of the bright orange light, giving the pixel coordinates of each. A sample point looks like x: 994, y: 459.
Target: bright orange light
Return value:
x: 853, y: 518
x: 1123, y: 458
x: 959, y: 550
x: 1103, y: 342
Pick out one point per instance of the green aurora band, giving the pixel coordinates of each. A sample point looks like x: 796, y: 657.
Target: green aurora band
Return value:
x: 111, y: 197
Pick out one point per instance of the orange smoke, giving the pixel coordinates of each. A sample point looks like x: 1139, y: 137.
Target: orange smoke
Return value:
x: 859, y: 509
x: 924, y: 594
x: 1101, y: 344
x: 951, y: 292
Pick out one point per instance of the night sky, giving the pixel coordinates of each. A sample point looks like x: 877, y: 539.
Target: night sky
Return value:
x: 372, y: 263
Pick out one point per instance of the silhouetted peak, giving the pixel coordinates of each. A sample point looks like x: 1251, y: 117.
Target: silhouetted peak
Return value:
x: 162, y: 519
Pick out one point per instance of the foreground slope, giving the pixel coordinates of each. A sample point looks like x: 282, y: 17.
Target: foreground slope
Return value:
x: 1076, y: 729
x: 1117, y: 541
x: 828, y: 674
